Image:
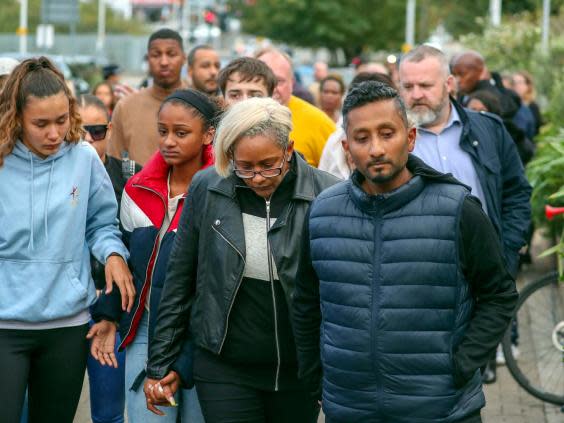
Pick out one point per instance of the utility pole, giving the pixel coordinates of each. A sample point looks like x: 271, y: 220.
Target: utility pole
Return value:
x: 185, y: 22
x: 101, y: 38
x: 410, y: 24
x: 545, y: 26
x: 22, y: 30
x: 495, y: 12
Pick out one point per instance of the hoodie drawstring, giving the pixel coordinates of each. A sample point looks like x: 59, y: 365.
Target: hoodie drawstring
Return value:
x: 45, y: 222
x: 30, y: 245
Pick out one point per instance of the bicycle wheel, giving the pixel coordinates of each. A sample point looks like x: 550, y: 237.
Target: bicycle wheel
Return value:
x: 539, y: 366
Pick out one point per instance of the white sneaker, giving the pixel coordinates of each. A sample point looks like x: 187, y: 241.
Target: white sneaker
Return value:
x: 499, y: 356
x: 515, y: 352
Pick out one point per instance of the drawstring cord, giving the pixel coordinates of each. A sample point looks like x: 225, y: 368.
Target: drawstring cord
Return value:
x: 30, y: 245
x: 45, y: 222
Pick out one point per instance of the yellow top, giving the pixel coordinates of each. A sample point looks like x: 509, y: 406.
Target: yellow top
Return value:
x: 311, y: 129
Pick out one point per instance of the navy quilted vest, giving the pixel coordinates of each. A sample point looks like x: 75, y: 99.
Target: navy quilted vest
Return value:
x: 394, y: 303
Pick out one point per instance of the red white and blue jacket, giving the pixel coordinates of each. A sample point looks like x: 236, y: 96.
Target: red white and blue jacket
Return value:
x: 144, y: 205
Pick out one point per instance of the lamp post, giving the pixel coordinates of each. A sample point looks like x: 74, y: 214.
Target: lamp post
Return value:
x: 22, y: 30
x: 101, y: 38
x: 410, y: 24
x: 185, y: 21
x: 495, y: 12
x: 545, y: 26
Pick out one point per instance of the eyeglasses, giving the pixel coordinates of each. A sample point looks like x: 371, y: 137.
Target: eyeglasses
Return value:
x: 265, y: 173
x: 97, y: 132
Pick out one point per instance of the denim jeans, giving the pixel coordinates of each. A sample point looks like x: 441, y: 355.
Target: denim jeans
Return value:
x: 107, y: 388
x: 135, y: 361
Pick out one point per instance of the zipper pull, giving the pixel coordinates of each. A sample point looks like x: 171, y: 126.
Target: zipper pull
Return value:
x: 267, y: 206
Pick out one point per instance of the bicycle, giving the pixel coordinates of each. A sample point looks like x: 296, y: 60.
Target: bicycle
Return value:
x: 539, y: 366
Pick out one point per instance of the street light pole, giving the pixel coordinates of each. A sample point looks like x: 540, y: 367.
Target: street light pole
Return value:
x: 495, y: 12
x: 22, y: 30
x: 185, y: 21
x: 410, y: 23
x: 545, y: 26
x: 100, y: 40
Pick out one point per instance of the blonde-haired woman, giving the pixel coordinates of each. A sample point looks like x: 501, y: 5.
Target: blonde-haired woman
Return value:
x: 239, y: 249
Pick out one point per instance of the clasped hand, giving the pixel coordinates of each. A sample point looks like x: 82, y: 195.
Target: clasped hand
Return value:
x: 161, y: 392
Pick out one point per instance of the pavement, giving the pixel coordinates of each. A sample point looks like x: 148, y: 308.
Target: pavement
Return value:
x: 506, y: 401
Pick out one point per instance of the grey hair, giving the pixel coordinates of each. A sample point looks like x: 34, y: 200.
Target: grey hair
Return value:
x: 249, y: 118
x: 425, y: 51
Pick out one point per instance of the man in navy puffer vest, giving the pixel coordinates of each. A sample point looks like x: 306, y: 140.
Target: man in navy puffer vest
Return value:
x: 408, y: 293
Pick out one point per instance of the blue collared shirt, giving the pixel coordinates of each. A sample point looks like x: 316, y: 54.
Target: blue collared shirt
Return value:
x: 442, y: 151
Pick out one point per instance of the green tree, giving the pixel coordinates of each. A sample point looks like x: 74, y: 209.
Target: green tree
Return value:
x: 353, y: 25
x: 10, y: 18
x: 358, y: 25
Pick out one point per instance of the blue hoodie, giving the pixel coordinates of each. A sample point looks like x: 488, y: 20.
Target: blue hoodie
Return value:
x: 53, y: 211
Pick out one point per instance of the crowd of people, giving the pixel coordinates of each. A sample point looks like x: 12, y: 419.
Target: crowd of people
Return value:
x: 230, y: 249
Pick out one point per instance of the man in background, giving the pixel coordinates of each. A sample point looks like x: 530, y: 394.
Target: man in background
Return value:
x: 243, y: 78
x: 203, y: 68
x: 134, y: 119
x: 311, y: 127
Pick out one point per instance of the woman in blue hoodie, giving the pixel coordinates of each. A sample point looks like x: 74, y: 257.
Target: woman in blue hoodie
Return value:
x: 56, y: 206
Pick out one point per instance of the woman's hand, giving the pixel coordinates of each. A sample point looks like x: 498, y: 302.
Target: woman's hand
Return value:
x: 117, y: 271
x: 103, y: 336
x: 161, y: 392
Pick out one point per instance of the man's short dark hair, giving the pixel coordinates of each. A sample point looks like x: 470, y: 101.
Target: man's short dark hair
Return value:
x: 372, y: 76
x: 165, y: 34
x: 371, y: 92
x: 249, y: 69
x: 192, y: 53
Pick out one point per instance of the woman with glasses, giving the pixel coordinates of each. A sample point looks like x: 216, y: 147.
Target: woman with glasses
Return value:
x: 238, y: 252
x: 97, y: 130
x: 107, y: 384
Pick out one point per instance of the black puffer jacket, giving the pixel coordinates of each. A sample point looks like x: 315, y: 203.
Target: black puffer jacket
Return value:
x: 208, y: 260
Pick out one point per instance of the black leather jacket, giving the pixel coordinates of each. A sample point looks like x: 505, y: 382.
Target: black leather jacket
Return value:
x: 208, y: 259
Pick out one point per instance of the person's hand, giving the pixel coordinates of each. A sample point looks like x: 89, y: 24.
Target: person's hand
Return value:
x: 123, y: 90
x: 103, y: 336
x: 118, y: 272
x: 161, y: 392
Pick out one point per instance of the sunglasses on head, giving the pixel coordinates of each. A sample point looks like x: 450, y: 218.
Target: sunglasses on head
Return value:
x: 97, y: 132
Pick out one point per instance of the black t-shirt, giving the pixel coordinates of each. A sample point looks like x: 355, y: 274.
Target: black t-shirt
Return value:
x: 115, y: 171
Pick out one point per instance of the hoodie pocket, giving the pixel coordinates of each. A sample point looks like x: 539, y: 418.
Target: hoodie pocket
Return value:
x: 42, y: 291
x: 74, y: 280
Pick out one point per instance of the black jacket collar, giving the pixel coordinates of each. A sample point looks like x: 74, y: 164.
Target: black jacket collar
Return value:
x: 402, y: 195
x: 463, y: 117
x: 418, y: 167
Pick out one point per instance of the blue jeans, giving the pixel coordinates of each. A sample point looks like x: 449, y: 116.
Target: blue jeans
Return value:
x: 136, y: 359
x: 107, y: 388
x: 24, y: 410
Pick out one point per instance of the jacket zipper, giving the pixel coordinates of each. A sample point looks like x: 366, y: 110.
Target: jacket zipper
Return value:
x: 271, y: 276
x: 236, y: 288
x: 158, y: 247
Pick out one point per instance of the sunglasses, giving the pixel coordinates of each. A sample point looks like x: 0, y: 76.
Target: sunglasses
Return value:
x: 97, y: 132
